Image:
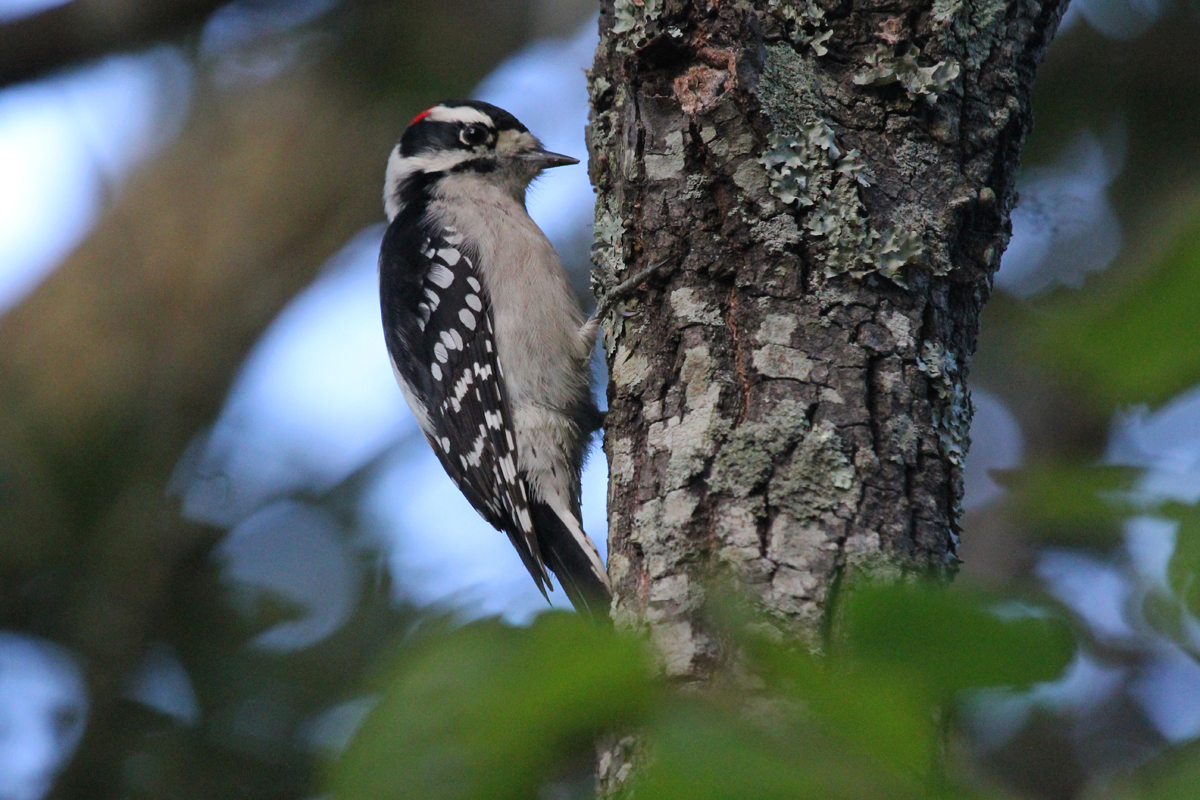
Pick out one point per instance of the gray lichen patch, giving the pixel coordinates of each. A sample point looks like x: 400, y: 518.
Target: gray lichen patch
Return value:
x: 777, y: 361
x: 975, y: 27
x: 898, y: 325
x: 776, y: 234
x: 688, y: 440
x: 800, y: 547
x: 697, y: 187
x: 883, y: 68
x: 675, y: 647
x: 816, y: 479
x: 812, y: 172
x: 864, y: 552
x: 805, y: 557
x: 778, y: 328
x: 667, y: 165
x: 749, y: 453
x: 953, y: 411
x: 629, y: 369
x: 634, y: 22
x: 691, y: 309
x: 786, y: 89
x: 808, y: 170
x: 621, y: 464
x: 608, y: 248
x: 696, y: 375
x: 802, y: 169
x: 735, y: 526
x: 945, y: 11
x: 805, y: 23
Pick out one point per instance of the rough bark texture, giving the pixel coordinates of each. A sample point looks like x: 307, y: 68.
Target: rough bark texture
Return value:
x: 829, y: 187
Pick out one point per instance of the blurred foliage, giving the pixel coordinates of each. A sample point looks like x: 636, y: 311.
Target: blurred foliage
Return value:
x: 1184, y: 569
x: 1070, y: 503
x: 1136, y: 341
x: 1173, y: 776
x: 953, y: 640
x: 1128, y: 337
x: 490, y: 711
x: 1113, y: 344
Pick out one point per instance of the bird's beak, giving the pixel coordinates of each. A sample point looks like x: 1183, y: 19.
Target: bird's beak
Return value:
x: 544, y: 159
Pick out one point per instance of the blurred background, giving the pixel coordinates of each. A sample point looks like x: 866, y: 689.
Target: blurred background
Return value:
x: 217, y: 516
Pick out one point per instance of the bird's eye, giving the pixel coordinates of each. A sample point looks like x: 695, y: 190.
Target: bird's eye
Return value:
x: 473, y: 135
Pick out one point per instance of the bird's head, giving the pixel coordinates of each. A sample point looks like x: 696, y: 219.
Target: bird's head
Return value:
x: 465, y: 137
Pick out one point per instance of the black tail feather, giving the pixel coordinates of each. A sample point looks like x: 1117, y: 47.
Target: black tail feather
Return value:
x: 570, y: 564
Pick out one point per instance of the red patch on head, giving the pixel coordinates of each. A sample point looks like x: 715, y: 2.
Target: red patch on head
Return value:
x: 421, y: 116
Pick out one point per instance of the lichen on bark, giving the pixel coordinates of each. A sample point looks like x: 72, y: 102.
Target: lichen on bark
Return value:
x: 788, y: 395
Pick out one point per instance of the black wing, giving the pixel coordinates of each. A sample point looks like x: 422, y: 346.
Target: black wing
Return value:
x: 438, y: 328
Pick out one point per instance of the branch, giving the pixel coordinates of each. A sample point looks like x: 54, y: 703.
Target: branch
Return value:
x: 85, y: 29
x: 623, y: 290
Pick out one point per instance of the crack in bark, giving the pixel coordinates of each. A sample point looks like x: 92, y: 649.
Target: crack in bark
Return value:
x: 873, y: 405
x: 738, y: 356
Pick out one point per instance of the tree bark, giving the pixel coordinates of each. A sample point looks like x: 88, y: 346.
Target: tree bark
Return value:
x: 828, y: 188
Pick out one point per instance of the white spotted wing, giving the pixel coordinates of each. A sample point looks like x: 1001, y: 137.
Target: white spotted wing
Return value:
x: 469, y: 419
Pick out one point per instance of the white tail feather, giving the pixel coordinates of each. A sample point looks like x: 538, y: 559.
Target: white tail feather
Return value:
x: 559, y: 506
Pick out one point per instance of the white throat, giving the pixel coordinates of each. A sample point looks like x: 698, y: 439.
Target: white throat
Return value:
x: 400, y: 169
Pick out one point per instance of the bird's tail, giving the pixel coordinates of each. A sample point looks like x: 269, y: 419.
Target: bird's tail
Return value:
x: 573, y: 557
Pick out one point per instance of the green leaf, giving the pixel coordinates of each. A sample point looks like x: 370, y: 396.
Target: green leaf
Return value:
x: 704, y: 753
x: 881, y: 714
x: 488, y: 710
x: 1139, y: 344
x: 951, y: 640
x: 1071, y: 503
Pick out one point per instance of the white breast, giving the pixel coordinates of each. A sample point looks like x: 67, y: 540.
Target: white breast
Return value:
x: 537, y: 317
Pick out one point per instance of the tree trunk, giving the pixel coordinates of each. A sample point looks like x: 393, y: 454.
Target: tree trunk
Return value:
x: 827, y: 188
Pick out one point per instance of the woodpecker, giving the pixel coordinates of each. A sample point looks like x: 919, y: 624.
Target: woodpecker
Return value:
x: 486, y: 338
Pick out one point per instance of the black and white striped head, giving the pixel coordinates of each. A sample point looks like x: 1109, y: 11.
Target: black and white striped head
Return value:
x: 460, y: 136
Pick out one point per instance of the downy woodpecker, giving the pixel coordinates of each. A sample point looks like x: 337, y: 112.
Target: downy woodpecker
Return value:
x: 486, y: 338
